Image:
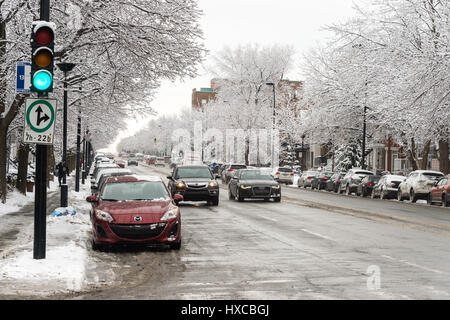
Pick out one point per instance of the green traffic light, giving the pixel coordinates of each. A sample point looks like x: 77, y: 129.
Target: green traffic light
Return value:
x: 42, y: 80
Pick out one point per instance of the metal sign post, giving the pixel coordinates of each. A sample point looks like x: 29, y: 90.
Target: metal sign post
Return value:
x: 40, y: 198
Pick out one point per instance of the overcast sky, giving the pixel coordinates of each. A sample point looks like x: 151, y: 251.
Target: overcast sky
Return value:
x: 265, y: 22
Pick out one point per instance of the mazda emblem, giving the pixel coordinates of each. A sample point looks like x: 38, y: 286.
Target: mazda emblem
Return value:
x: 137, y: 219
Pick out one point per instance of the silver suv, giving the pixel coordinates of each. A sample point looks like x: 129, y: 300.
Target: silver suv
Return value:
x: 418, y: 185
x: 350, y: 182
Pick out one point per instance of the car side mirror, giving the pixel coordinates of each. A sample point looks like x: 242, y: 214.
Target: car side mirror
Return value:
x: 91, y: 199
x: 178, y: 197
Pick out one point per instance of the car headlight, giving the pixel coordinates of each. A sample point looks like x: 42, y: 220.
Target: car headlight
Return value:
x: 213, y: 184
x: 245, y: 187
x: 170, y: 214
x: 276, y: 187
x: 181, y: 185
x: 105, y: 216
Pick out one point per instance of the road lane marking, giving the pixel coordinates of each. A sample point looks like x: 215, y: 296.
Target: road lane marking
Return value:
x: 267, y: 218
x: 412, y: 264
x: 317, y: 235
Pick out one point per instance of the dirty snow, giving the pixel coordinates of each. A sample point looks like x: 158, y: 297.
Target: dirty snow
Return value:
x: 68, y: 255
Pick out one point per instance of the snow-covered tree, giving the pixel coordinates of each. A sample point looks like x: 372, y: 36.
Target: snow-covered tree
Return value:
x: 123, y: 49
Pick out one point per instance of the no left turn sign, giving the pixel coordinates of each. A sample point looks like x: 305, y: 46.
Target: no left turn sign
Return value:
x: 40, y: 115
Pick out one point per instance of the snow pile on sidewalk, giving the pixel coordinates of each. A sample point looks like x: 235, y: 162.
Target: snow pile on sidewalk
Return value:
x: 15, y: 200
x: 63, y: 269
x: 68, y: 262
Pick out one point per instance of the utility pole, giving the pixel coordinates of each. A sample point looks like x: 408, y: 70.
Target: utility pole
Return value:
x: 273, y: 124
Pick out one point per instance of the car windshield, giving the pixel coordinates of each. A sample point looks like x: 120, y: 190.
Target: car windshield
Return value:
x: 134, y: 191
x: 255, y: 175
x: 193, y: 173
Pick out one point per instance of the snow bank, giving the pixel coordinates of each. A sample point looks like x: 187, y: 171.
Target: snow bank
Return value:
x: 14, y: 202
x: 68, y: 257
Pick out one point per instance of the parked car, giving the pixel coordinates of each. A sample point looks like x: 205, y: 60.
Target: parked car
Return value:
x: 418, y: 185
x: 134, y: 210
x: 440, y: 192
x: 283, y: 175
x: 227, y: 172
x: 387, y: 187
x: 349, y: 183
x: 366, y: 185
x: 120, y: 163
x: 306, y: 178
x: 132, y: 161
x: 253, y: 183
x: 104, y: 174
x: 319, y: 181
x: 194, y: 183
x: 151, y: 160
x: 100, y: 167
x: 334, y: 182
x: 160, y: 161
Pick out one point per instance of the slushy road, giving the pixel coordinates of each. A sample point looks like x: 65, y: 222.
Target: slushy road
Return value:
x: 312, y: 245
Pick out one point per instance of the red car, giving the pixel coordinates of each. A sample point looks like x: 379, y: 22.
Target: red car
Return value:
x: 135, y: 210
x: 441, y: 192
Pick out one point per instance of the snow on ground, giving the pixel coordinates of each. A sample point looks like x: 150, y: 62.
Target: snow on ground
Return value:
x: 15, y: 200
x: 68, y: 255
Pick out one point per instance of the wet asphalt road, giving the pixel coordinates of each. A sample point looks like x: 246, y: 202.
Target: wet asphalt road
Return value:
x: 312, y: 245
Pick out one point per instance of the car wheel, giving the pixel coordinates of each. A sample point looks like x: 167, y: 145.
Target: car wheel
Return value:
x: 98, y: 247
x: 215, y: 202
x: 175, y: 246
x: 277, y: 199
x: 445, y: 202
x: 430, y: 199
x: 239, y: 198
x: 412, y: 196
x: 399, y: 195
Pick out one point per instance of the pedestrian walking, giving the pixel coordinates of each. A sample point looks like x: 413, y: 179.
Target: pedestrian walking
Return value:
x: 62, y: 170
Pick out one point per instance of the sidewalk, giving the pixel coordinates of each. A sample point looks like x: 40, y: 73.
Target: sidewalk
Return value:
x: 67, y: 246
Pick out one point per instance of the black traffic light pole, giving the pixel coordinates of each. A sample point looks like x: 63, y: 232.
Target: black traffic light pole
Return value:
x: 40, y: 196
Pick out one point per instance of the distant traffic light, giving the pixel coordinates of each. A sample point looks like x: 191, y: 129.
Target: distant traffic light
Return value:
x: 42, y: 50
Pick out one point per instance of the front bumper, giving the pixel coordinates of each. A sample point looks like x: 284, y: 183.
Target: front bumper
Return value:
x: 163, y: 232
x: 260, y: 192
x: 200, y: 194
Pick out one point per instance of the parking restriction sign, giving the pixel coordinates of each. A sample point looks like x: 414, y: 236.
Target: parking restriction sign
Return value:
x: 40, y: 115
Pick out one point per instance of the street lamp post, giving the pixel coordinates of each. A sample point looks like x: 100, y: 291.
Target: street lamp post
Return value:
x: 303, y: 153
x: 65, y: 67
x: 273, y: 124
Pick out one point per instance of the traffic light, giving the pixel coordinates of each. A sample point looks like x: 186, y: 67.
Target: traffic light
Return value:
x: 42, y: 55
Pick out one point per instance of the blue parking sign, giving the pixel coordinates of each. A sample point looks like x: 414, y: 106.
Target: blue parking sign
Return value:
x: 23, y: 80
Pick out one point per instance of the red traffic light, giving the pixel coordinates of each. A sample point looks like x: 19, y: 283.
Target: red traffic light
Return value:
x: 43, y: 36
